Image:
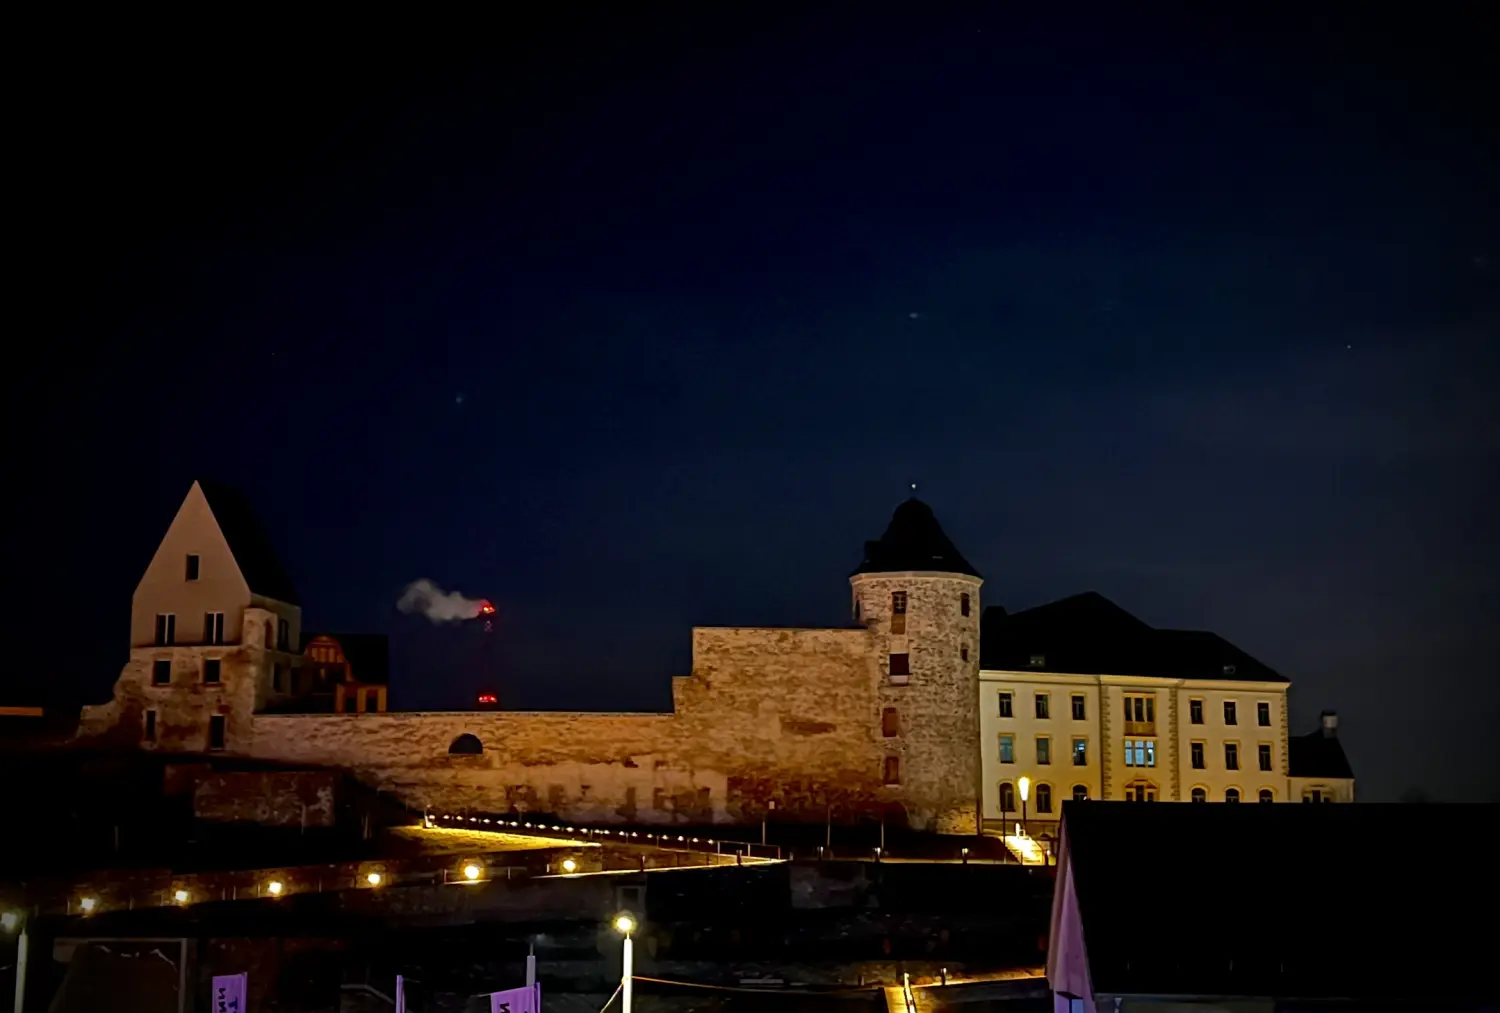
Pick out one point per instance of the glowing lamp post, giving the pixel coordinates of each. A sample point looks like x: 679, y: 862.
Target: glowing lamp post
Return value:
x: 626, y: 925
x: 1025, y: 785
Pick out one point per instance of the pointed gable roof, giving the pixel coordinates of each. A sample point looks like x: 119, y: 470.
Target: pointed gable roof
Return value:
x: 914, y: 541
x: 248, y: 542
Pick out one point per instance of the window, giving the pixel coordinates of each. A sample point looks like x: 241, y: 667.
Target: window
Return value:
x: 212, y: 671
x: 1140, y: 791
x: 1263, y: 714
x: 900, y: 666
x: 465, y: 745
x: 898, y: 612
x: 1140, y: 752
x: 1230, y: 717
x: 1007, y: 797
x: 893, y: 770
x: 1044, y: 798
x: 1228, y: 669
x: 1200, y: 795
x: 213, y: 627
x: 1140, y: 708
x: 216, y: 731
x: 963, y: 604
x: 1231, y: 756
x: 1042, y: 707
x: 276, y: 677
x: 283, y: 635
x: 1197, y: 753
x: 372, y: 703
x: 1265, y: 755
x: 1080, y: 752
x: 1231, y: 794
x: 1005, y: 711
x: 1195, y: 711
x: 963, y: 653
x: 856, y: 610
x: 150, y: 726
x: 161, y: 672
x: 192, y: 567
x: 1266, y: 795
x: 1080, y: 708
x: 1080, y: 793
x: 1043, y: 750
x: 166, y: 629
x: 1317, y: 795
x: 1038, y: 661
x: 1007, y: 749
x: 890, y: 723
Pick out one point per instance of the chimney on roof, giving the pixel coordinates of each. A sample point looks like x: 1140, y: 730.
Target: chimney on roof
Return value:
x: 1330, y: 724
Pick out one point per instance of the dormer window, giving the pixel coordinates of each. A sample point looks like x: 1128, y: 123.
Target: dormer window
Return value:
x: 192, y: 567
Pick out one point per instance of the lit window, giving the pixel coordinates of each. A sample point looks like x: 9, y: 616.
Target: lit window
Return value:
x: 1007, y: 797
x: 166, y: 629
x: 1231, y: 794
x: 212, y: 671
x: 216, y: 731
x: 1005, y: 710
x: 1044, y: 798
x: 892, y: 770
x: 192, y: 567
x: 1080, y: 752
x: 1266, y: 795
x: 1080, y: 709
x: 1042, y: 705
x: 963, y: 604
x: 1265, y: 755
x: 1197, y: 754
x: 1263, y: 714
x: 1043, y: 750
x: 1080, y: 793
x: 213, y: 627
x: 890, y: 723
x: 1038, y: 660
x: 901, y: 664
x: 1200, y: 795
x: 1007, y: 749
x: 151, y: 726
x: 161, y: 672
x: 1230, y: 717
x: 1195, y: 711
x: 898, y: 612
x: 1231, y: 756
x: 1140, y: 752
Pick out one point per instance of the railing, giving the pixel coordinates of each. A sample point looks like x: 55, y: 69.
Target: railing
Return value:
x: 1140, y: 728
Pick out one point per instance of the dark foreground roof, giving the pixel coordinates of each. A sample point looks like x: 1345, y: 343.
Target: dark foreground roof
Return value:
x: 1089, y: 634
x: 1358, y: 901
x: 249, y: 542
x: 914, y: 540
x: 1317, y: 755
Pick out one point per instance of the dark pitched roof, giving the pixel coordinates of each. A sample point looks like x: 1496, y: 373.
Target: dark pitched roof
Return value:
x: 1318, y: 754
x: 913, y: 541
x: 1281, y: 900
x: 368, y: 654
x: 249, y: 542
x: 1089, y: 634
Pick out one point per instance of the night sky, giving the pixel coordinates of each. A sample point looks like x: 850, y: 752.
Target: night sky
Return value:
x: 633, y: 325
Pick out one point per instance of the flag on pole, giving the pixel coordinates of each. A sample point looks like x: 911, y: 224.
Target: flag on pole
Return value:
x: 527, y: 999
x: 229, y: 993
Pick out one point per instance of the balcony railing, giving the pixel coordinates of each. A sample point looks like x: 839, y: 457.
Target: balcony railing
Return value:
x: 1140, y: 728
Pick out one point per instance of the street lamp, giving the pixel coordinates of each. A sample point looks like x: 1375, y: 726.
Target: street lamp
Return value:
x: 472, y: 871
x: 1025, y: 786
x: 625, y: 925
x: 569, y: 866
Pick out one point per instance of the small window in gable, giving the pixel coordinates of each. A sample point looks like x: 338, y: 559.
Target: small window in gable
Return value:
x: 192, y: 567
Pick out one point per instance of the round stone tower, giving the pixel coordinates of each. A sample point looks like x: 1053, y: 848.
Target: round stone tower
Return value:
x: 919, y: 598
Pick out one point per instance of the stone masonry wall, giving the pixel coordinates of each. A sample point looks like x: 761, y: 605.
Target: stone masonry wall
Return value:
x: 278, y: 798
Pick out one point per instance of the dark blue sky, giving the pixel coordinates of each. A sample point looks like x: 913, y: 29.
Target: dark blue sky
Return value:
x: 635, y: 324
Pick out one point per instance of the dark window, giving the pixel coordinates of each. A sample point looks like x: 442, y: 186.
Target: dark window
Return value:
x: 192, y: 567
x: 1195, y: 711
x: 1231, y: 756
x: 151, y: 726
x: 216, y: 731
x: 1197, y: 750
x: 901, y: 664
x: 1041, y: 705
x: 166, y: 629
x: 963, y: 653
x: 890, y: 723
x: 1199, y: 795
x: 283, y: 635
x: 276, y: 677
x: 1007, y: 797
x: 1043, y: 750
x: 466, y: 745
x: 1263, y: 714
x: 1231, y: 794
x: 1005, y: 710
x: 1265, y: 756
x: 1044, y: 798
x: 963, y: 604
x: 893, y: 770
x: 856, y: 610
x: 1230, y: 716
x: 1266, y: 796
x: 1007, y: 749
x: 211, y: 670
x: 1080, y: 793
x: 161, y: 672
x: 1080, y: 707
x: 213, y: 627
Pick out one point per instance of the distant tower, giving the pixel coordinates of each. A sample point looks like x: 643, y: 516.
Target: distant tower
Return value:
x: 919, y: 597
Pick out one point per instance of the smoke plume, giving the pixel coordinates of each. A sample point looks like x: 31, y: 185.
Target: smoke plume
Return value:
x: 427, y: 599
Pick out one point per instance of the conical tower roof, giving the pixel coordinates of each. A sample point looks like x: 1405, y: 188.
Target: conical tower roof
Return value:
x: 914, y: 540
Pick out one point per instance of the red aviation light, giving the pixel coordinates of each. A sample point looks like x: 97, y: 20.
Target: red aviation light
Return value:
x: 485, y: 608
